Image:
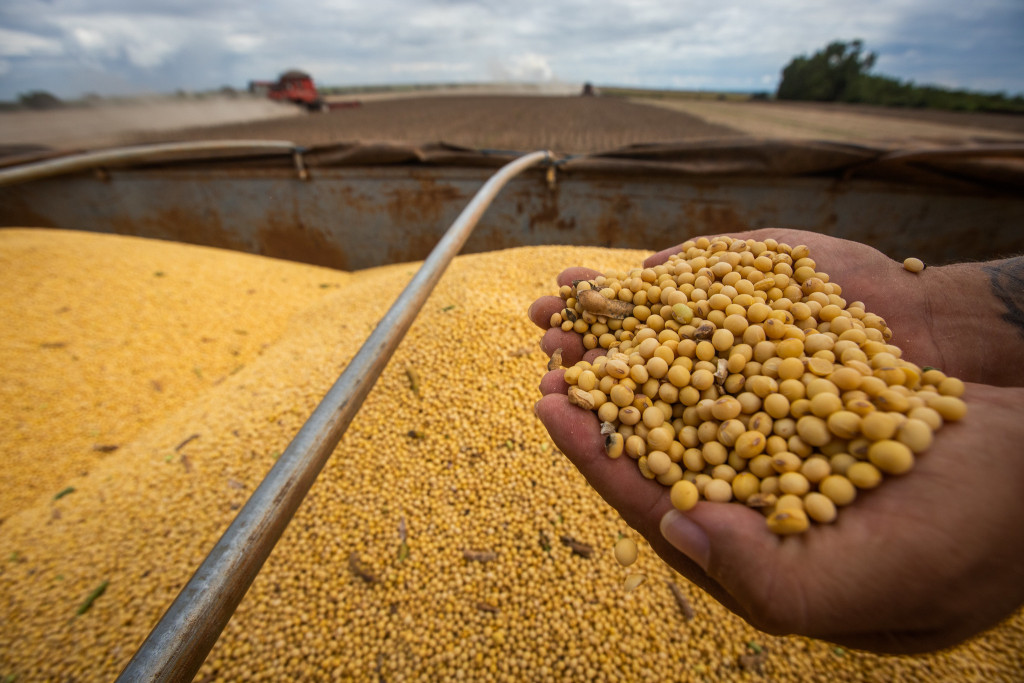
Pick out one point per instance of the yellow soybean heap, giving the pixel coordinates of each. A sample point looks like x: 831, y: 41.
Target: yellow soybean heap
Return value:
x: 446, y: 539
x: 736, y: 371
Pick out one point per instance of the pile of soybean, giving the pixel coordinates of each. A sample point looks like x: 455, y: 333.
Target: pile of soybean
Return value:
x: 445, y: 538
x: 737, y: 371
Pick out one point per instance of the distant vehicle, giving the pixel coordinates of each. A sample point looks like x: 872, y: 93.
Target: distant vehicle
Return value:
x: 292, y: 86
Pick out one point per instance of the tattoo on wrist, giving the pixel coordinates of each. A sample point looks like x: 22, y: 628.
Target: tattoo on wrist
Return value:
x: 1007, y: 279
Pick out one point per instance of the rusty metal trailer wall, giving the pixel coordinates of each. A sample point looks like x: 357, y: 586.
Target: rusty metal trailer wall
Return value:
x: 353, y: 218
x: 362, y: 205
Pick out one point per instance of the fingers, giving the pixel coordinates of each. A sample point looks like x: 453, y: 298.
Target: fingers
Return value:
x: 576, y: 432
x: 732, y: 531
x: 791, y: 237
x: 739, y: 554
x: 641, y: 502
x: 542, y: 309
x: 732, y: 541
x: 570, y: 275
x: 662, y: 256
x: 554, y: 383
x: 570, y: 343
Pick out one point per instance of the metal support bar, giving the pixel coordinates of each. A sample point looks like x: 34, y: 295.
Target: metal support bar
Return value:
x: 300, y: 164
x: 180, y: 642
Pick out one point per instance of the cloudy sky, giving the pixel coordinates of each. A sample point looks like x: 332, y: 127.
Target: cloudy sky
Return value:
x: 115, y: 47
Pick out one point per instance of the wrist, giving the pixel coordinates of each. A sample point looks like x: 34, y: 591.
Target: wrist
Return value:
x: 973, y: 320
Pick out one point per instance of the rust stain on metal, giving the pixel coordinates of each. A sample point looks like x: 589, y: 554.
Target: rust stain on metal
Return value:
x: 616, y: 226
x: 292, y: 240
x: 418, y: 218
x: 714, y: 217
x: 407, y: 243
x: 17, y: 210
x: 344, y: 195
x: 181, y: 225
x: 550, y: 213
x: 426, y: 204
x: 610, y: 233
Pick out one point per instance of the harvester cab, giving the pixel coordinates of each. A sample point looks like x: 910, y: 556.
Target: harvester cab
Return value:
x: 292, y: 86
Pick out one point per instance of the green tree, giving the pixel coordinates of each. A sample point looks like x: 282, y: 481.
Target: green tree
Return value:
x: 839, y: 73
x: 833, y: 74
x: 39, y: 99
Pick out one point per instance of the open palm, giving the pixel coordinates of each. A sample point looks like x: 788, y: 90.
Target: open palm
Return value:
x: 922, y: 562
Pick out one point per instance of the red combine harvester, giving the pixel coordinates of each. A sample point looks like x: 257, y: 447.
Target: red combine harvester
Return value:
x: 292, y: 86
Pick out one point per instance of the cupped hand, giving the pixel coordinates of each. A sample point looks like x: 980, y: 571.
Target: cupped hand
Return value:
x: 945, y: 317
x: 865, y: 274
x: 923, y: 562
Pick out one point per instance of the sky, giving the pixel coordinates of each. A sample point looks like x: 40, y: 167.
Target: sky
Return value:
x: 126, y: 47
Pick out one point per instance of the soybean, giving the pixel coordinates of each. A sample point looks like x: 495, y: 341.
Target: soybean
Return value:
x: 625, y: 551
x: 758, y: 380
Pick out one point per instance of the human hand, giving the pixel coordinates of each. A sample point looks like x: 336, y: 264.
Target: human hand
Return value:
x: 920, y: 563
x: 865, y: 274
x: 932, y: 313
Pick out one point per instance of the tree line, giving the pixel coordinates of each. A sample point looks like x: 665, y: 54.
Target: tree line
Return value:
x: 840, y: 73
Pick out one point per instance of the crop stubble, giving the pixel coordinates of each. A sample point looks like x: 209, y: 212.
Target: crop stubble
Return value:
x: 562, y: 124
x: 566, y: 124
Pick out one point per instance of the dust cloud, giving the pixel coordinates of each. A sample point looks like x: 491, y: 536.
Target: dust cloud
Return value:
x: 118, y: 122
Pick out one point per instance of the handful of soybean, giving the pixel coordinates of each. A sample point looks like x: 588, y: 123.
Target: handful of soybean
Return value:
x: 736, y: 371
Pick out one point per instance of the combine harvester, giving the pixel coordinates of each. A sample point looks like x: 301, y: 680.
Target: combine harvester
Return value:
x: 296, y: 87
x: 357, y: 206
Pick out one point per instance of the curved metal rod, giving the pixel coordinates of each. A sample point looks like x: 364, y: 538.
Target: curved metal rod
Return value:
x: 127, y: 155
x: 993, y: 150
x: 179, y: 643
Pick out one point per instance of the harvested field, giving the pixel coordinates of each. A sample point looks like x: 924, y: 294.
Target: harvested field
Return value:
x: 851, y: 123
x: 487, y: 119
x: 562, y: 124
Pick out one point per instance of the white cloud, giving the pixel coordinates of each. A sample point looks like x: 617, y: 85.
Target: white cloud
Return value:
x: 90, y: 39
x: 23, y: 44
x: 243, y: 43
x: 147, y: 54
x: 429, y: 68
x: 742, y: 44
x: 529, y: 67
x: 146, y: 41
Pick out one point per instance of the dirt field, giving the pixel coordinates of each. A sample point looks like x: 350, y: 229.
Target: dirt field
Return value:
x: 512, y: 121
x: 563, y: 124
x: 852, y: 123
x: 572, y: 124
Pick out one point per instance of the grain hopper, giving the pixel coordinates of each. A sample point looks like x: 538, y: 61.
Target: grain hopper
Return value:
x: 359, y: 206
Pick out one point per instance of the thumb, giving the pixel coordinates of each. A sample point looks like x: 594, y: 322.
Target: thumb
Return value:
x: 734, y: 546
